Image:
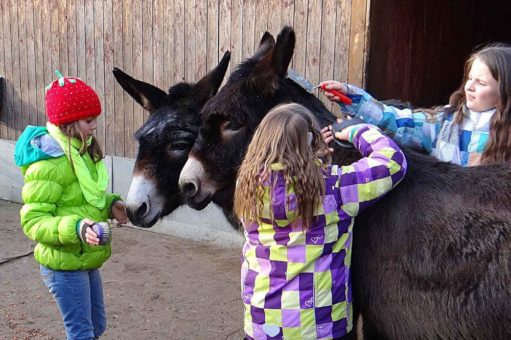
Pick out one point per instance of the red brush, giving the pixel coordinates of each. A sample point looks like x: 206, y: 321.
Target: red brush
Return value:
x: 342, y: 97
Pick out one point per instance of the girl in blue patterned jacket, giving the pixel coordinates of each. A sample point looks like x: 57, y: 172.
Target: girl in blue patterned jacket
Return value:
x: 298, y: 217
x: 475, y: 128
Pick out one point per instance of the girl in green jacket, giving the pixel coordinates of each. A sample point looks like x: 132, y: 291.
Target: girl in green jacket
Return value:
x: 64, y: 199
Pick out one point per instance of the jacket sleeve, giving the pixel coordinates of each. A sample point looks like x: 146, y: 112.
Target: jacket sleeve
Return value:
x: 381, y: 169
x: 42, y: 190
x: 411, y: 128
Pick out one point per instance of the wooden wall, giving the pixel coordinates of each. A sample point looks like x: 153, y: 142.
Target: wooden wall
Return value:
x: 160, y: 42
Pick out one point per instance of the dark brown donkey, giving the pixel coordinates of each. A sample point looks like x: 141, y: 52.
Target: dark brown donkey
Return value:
x: 432, y: 260
x: 165, y: 140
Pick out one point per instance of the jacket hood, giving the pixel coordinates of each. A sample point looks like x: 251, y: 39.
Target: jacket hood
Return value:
x: 35, y: 144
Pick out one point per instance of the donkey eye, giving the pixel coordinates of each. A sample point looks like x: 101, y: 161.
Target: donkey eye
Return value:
x: 178, y: 149
x: 178, y: 146
x: 229, y: 129
x: 231, y: 126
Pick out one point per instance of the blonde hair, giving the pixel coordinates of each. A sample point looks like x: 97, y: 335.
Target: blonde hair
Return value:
x: 72, y: 130
x: 282, y: 137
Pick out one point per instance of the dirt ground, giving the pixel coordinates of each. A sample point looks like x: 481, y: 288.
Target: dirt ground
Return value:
x: 156, y: 287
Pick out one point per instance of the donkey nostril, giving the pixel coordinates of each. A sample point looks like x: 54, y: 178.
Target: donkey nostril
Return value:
x: 189, y: 189
x: 142, y: 210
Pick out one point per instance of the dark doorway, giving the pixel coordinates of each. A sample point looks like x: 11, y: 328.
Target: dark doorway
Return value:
x: 417, y: 48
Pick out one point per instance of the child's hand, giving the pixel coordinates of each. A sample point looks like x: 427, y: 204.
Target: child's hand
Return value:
x: 328, y: 136
x: 86, y: 233
x: 333, y: 85
x: 343, y: 134
x: 119, y: 212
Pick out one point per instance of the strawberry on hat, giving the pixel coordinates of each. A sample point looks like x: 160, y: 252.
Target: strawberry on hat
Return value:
x: 69, y: 99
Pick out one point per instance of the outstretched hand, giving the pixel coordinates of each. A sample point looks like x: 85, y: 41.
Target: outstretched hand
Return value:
x: 119, y: 212
x: 329, y: 136
x: 333, y: 85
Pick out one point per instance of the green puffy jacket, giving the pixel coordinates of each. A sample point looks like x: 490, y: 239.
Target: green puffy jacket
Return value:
x: 55, y: 200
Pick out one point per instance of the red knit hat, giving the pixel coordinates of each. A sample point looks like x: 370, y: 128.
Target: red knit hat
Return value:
x: 69, y: 100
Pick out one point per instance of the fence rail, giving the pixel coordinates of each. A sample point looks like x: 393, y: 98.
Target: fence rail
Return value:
x: 160, y: 42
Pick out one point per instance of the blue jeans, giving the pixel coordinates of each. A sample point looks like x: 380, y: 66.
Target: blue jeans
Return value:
x: 79, y: 295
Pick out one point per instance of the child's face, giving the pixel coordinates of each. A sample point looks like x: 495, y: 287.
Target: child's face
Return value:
x: 87, y: 126
x: 481, y: 89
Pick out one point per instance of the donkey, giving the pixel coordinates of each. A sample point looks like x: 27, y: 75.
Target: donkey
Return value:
x: 430, y: 260
x: 164, y: 141
x: 230, y: 118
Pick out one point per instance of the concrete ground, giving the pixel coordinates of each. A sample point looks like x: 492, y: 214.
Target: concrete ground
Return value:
x: 156, y: 287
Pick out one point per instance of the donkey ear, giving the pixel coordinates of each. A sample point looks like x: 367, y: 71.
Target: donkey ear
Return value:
x: 148, y: 96
x: 273, y: 65
x: 267, y: 43
x: 283, y: 51
x: 208, y: 86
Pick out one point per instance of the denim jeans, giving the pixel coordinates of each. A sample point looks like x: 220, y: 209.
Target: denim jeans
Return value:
x: 79, y: 295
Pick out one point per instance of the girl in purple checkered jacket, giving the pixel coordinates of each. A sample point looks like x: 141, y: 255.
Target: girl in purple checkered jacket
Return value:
x: 298, y: 215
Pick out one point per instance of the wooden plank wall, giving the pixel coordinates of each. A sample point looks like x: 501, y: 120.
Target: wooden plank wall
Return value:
x: 160, y: 42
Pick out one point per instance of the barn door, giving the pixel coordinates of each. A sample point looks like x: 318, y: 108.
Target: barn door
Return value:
x: 417, y: 48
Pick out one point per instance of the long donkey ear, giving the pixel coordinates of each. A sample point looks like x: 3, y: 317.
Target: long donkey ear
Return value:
x: 273, y: 65
x: 267, y: 43
x: 283, y: 51
x: 148, y: 96
x: 208, y: 86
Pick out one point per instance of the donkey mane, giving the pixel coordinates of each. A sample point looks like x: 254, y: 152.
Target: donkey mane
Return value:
x: 286, y: 88
x: 243, y: 70
x: 179, y: 91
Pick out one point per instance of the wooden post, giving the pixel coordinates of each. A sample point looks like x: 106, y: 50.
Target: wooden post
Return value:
x: 1, y: 91
x: 358, y: 42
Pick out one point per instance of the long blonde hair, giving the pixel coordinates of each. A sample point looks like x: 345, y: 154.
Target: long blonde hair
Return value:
x: 72, y: 130
x: 282, y: 137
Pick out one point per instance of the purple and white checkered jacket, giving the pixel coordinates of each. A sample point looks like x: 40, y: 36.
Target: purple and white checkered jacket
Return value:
x: 296, y: 282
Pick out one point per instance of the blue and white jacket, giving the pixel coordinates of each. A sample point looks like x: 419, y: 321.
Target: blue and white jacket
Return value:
x: 461, y: 144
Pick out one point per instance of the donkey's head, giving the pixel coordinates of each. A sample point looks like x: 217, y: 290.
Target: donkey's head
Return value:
x: 230, y: 118
x: 164, y: 141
